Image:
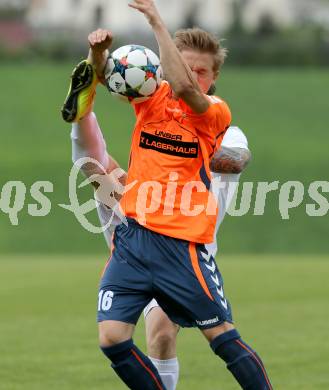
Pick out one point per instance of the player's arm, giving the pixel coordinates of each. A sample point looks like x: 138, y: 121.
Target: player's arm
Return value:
x: 176, y: 71
x: 88, y: 141
x: 230, y: 160
x: 100, y: 42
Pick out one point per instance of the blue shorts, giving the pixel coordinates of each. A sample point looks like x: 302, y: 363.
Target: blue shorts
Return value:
x: 180, y: 275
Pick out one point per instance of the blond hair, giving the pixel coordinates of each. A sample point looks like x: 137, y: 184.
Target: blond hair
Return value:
x: 202, y: 41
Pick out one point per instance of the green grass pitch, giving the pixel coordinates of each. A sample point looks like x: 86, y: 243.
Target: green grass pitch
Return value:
x: 48, y: 333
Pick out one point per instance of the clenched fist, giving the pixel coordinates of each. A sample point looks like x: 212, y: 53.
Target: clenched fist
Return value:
x: 100, y: 40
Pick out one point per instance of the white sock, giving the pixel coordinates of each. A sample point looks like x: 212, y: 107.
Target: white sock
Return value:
x: 168, y: 371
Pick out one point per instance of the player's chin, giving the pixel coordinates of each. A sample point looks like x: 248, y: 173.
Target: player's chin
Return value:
x: 206, y: 88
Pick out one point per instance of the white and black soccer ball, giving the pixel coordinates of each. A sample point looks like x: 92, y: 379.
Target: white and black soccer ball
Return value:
x: 133, y: 73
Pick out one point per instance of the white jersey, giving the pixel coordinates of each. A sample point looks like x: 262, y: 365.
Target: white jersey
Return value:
x: 228, y: 183
x: 223, y: 191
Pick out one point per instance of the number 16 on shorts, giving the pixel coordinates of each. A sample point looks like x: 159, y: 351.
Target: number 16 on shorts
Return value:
x: 105, y: 299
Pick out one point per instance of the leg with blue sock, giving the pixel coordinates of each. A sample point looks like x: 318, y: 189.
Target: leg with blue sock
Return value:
x: 245, y: 365
x: 134, y: 368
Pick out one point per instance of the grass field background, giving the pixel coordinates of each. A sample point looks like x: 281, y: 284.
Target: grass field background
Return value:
x: 48, y: 334
x: 284, y: 113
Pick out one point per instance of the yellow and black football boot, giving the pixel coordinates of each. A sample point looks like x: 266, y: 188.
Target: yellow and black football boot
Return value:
x: 82, y: 91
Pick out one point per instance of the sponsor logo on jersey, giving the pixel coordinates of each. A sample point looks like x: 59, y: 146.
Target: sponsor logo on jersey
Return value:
x: 164, y: 134
x: 166, y: 145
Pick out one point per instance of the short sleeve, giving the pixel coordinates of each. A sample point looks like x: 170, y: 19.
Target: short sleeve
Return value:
x: 215, y: 120
x: 212, y: 124
x: 235, y: 138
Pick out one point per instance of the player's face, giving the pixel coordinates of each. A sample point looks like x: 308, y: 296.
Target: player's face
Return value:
x: 202, y: 66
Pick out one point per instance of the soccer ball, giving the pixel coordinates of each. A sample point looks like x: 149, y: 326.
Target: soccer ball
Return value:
x: 133, y: 73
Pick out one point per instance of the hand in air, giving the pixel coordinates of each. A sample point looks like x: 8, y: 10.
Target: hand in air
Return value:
x: 148, y: 8
x: 100, y: 40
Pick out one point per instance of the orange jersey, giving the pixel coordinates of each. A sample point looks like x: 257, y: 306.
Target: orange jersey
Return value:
x: 169, y: 166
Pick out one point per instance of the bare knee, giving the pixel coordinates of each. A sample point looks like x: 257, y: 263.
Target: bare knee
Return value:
x: 212, y: 333
x: 162, y: 343
x: 161, y: 335
x: 114, y: 332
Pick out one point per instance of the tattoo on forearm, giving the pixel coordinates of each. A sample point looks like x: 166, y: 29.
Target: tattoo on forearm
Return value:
x: 230, y: 160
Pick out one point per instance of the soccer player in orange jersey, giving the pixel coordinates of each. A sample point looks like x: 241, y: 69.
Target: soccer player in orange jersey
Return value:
x: 226, y: 166
x: 171, y: 215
